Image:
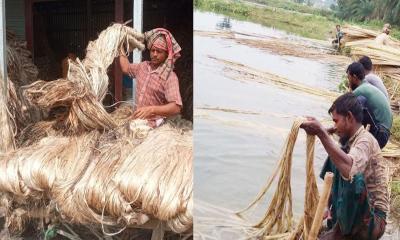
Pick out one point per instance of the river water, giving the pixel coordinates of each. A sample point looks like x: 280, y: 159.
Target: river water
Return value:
x: 237, y: 150
x: 241, y: 126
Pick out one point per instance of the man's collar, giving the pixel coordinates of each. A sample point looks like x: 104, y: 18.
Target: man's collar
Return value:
x: 358, y: 132
x: 151, y: 70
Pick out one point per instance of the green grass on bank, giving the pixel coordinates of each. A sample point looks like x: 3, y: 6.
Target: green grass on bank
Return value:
x: 307, y: 25
x: 396, y: 128
x: 293, y: 6
x: 286, y: 15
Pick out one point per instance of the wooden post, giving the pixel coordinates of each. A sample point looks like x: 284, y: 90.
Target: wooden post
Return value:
x: 138, y: 25
x: 158, y: 232
x: 119, y: 18
x: 322, y: 203
x: 3, y: 48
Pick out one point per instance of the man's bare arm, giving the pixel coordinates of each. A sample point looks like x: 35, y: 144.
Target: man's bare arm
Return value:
x: 166, y: 110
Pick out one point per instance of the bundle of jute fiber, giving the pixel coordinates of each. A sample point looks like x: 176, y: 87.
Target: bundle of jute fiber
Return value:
x: 20, y: 71
x: 356, y: 33
x: 20, y: 67
x: 7, y: 142
x: 84, y: 111
x: 111, y: 179
x: 100, y: 54
x: 278, y: 219
x: 381, y: 55
x: 87, y: 82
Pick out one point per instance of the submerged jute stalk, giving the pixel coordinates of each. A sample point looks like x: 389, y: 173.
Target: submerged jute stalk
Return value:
x: 278, y: 219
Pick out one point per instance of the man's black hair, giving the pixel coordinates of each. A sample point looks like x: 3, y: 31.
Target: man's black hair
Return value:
x: 346, y: 103
x: 366, y: 62
x: 356, y: 69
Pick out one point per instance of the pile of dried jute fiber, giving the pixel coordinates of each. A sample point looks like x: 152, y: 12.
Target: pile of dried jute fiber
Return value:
x: 278, y: 219
x: 20, y: 71
x: 87, y: 82
x: 104, y: 178
x: 7, y: 142
x: 20, y: 67
x: 86, y: 166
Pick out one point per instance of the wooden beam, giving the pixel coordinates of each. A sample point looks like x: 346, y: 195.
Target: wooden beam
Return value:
x: 119, y: 17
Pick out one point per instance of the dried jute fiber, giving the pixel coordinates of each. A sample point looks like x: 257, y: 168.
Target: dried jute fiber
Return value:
x: 90, y: 167
x: 103, y: 178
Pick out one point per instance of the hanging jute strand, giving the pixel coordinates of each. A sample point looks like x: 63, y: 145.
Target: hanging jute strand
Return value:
x: 277, y: 222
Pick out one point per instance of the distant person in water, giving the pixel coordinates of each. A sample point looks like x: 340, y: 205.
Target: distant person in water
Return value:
x: 339, y: 35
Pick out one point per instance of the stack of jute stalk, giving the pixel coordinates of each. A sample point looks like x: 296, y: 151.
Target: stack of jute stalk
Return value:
x: 277, y: 222
x: 385, y: 58
x: 87, y: 166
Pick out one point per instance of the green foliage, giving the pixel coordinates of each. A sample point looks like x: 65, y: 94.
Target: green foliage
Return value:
x: 224, y: 7
x: 395, y: 189
x: 296, y: 6
x: 344, y: 84
x: 396, y: 128
x: 304, y: 24
x: 362, y: 10
x: 293, y: 17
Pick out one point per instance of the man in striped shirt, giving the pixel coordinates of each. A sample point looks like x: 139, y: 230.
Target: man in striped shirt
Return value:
x: 157, y: 86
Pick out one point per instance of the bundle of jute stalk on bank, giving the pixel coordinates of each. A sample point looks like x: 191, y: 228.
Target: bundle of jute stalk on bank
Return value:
x: 385, y: 58
x: 356, y: 33
x: 87, y: 166
x: 278, y: 222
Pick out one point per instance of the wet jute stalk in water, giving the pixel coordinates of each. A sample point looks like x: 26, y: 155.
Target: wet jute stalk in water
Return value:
x: 277, y: 222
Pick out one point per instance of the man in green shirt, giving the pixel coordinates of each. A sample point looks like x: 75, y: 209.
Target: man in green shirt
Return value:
x: 377, y: 111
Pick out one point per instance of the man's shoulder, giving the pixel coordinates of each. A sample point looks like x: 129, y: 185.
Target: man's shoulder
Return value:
x: 366, y: 138
x: 373, y: 77
x: 365, y: 88
x: 172, y: 76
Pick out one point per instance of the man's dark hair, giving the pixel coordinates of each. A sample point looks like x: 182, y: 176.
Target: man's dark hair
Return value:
x: 366, y: 62
x: 346, y: 103
x: 356, y: 69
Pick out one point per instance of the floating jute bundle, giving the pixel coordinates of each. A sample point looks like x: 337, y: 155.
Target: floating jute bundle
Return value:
x: 278, y: 219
